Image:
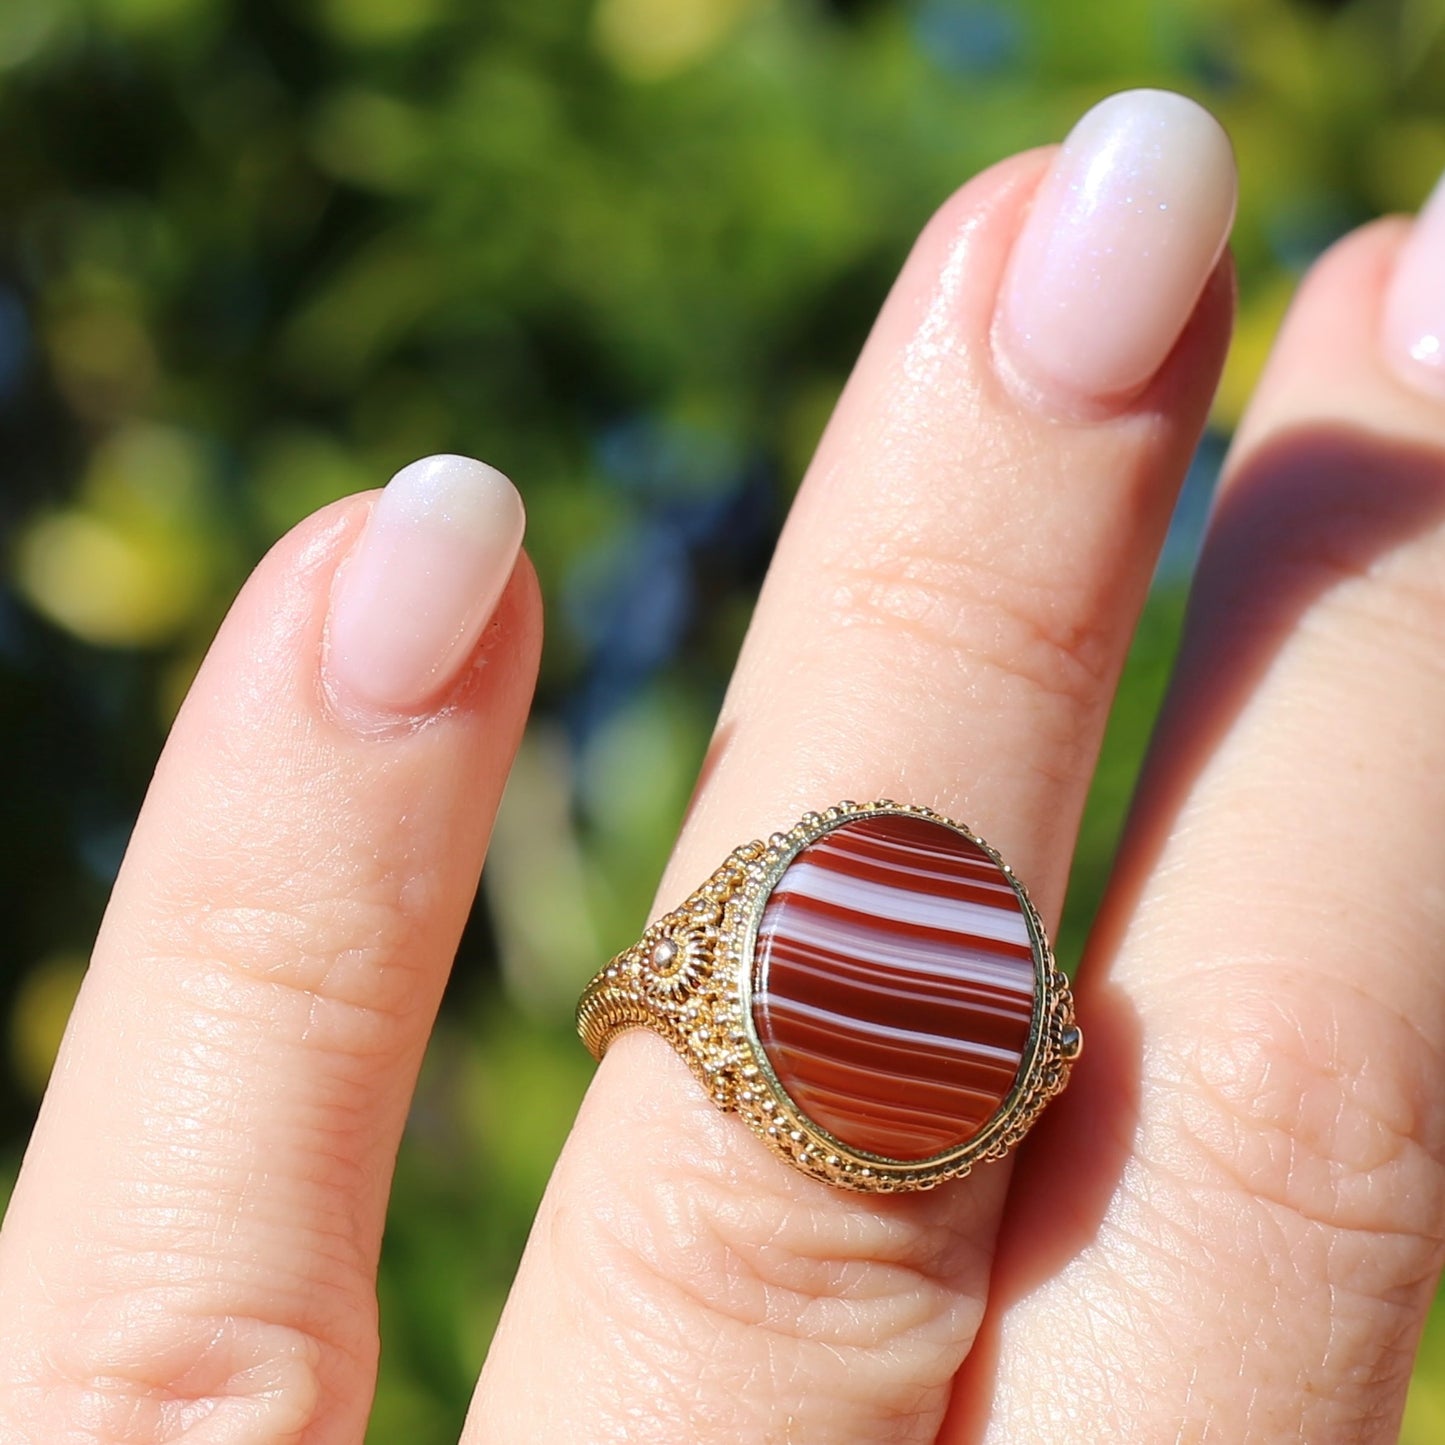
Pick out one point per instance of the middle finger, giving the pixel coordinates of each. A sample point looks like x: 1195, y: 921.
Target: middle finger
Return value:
x: 943, y: 624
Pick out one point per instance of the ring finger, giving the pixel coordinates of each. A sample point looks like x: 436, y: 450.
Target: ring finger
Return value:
x: 943, y: 624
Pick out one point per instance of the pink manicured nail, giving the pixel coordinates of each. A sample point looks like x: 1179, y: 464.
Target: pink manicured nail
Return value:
x: 1415, y: 300
x: 412, y: 599
x: 1123, y: 234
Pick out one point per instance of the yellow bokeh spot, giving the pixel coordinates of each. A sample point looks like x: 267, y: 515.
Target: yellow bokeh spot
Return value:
x: 1406, y: 157
x: 130, y: 563
x: 145, y: 15
x: 107, y: 584
x: 379, y: 21
x: 653, y: 39
x: 28, y: 27
x: 42, y: 1009
x: 103, y: 360
x: 148, y: 474
x: 370, y: 139
x: 1424, y: 1422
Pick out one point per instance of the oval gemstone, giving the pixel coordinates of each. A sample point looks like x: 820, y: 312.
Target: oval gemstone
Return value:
x: 893, y: 985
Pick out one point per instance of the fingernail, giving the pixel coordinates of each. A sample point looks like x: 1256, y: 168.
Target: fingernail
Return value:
x: 1122, y: 235
x: 1415, y: 300
x: 410, y: 602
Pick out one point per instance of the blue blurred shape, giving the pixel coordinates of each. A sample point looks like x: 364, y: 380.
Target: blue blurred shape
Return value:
x: 102, y: 845
x: 969, y: 37
x: 659, y: 458
x: 698, y: 516
x: 14, y: 343
x: 1299, y: 228
x: 15, y: 648
x: 1191, y: 511
x: 629, y: 603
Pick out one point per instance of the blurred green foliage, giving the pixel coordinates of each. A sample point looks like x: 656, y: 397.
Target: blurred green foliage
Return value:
x: 255, y: 254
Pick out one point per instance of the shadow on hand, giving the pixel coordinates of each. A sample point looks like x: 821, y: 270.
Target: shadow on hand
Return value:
x: 1315, y: 507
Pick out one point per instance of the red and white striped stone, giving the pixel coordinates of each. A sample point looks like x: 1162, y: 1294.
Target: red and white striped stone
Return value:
x: 893, y: 985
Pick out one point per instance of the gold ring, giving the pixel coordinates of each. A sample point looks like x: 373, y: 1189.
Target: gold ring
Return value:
x: 872, y: 991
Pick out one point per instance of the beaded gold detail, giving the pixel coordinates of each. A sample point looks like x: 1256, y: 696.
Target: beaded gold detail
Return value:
x: 872, y: 991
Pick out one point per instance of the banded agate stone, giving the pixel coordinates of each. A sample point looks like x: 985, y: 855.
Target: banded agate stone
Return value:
x: 893, y: 985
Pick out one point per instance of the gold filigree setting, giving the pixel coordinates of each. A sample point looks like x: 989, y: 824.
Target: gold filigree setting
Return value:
x: 689, y: 978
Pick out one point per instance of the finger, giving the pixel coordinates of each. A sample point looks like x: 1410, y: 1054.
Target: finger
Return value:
x: 943, y: 624
x: 1259, y: 1247
x: 191, y: 1249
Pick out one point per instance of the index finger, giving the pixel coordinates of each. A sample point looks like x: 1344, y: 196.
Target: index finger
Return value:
x: 191, y: 1249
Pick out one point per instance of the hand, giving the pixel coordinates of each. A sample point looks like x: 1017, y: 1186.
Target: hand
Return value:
x: 1228, y: 1229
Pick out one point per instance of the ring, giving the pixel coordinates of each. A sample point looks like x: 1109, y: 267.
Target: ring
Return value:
x: 871, y: 991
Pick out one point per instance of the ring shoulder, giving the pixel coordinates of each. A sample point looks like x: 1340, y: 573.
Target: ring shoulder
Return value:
x: 680, y: 979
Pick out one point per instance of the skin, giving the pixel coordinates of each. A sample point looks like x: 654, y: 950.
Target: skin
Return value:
x: 1228, y: 1229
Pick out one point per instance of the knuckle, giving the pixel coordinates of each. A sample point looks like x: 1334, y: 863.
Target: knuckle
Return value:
x: 142, y: 1366
x: 1311, y: 1097
x: 1032, y: 632
x: 740, y: 1299
x: 1296, y: 1144
x: 342, y: 955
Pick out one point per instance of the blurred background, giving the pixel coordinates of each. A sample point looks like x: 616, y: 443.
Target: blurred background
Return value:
x: 255, y: 254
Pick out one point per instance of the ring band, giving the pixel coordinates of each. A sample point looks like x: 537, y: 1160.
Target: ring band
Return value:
x: 872, y: 991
